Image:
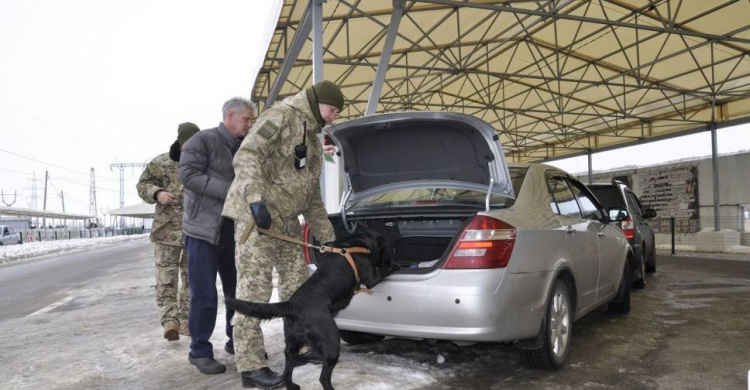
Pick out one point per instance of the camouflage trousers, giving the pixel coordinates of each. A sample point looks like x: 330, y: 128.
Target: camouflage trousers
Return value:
x: 172, y: 293
x: 255, y: 261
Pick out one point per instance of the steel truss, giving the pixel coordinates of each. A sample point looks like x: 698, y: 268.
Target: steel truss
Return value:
x: 555, y: 78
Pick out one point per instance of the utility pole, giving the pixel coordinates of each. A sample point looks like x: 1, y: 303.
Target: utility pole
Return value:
x: 92, y: 198
x: 122, y: 167
x: 62, y: 197
x: 33, y: 204
x: 46, y: 179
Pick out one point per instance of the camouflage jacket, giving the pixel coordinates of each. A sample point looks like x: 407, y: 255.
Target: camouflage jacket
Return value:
x: 161, y: 174
x: 264, y: 171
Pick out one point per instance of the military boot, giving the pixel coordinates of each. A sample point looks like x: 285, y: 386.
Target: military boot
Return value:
x: 184, y: 330
x: 263, y: 378
x: 171, y: 330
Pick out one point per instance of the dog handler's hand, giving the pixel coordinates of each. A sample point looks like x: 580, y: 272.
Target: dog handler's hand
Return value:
x: 261, y: 215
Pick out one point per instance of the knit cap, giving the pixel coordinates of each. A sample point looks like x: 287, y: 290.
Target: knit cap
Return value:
x: 185, y: 131
x: 329, y: 93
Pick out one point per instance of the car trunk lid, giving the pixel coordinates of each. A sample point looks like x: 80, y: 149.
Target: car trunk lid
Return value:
x: 384, y: 150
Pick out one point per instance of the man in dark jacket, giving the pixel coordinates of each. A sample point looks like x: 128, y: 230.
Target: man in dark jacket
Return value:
x: 206, y: 172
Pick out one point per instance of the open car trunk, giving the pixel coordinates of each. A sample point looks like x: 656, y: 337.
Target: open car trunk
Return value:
x: 416, y: 178
x: 417, y: 244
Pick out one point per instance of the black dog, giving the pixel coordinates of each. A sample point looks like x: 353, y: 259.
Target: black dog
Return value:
x: 308, y: 314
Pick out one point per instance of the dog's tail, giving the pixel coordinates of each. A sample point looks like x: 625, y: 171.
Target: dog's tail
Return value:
x: 264, y: 311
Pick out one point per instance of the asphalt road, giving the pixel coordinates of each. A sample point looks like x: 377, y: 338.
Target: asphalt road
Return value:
x: 88, y: 320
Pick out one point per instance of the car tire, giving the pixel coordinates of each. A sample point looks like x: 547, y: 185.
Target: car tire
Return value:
x: 355, y: 338
x: 555, y: 334
x: 640, y: 282
x: 621, y: 303
x: 651, y: 262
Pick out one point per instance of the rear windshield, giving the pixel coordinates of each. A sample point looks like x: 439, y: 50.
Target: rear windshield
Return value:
x: 609, y: 196
x: 439, y: 196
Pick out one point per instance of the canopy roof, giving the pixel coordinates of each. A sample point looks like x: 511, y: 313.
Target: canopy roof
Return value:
x: 554, y: 78
x: 143, y: 210
x: 22, y: 212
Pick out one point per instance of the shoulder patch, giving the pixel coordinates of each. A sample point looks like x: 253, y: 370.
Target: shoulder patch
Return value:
x: 268, y: 129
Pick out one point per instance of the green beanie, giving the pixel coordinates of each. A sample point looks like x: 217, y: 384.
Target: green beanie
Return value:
x: 185, y: 131
x: 329, y: 93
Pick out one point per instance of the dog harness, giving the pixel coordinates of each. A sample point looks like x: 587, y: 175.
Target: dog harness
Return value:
x: 346, y: 253
x: 341, y: 251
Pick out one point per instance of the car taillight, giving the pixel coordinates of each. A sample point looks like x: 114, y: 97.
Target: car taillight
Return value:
x: 628, y: 227
x: 305, y: 249
x: 486, y: 242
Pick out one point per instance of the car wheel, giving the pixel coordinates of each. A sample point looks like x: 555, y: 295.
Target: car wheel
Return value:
x: 555, y: 333
x: 651, y: 262
x: 639, y: 280
x: 621, y: 303
x: 354, y: 338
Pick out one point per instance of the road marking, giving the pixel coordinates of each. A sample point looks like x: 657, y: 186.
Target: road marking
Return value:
x: 52, y: 306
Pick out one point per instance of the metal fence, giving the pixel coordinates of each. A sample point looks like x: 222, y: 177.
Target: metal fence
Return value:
x: 32, y: 235
x: 700, y: 235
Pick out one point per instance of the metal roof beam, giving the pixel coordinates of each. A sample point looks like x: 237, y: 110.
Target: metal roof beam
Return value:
x: 299, y: 40
x: 663, y: 30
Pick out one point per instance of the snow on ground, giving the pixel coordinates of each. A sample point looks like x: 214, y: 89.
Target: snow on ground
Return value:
x: 105, y: 335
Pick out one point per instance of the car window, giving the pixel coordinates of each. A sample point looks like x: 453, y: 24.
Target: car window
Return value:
x: 11, y: 231
x: 608, y: 195
x: 633, y: 204
x: 427, y: 197
x: 563, y: 201
x: 588, y: 205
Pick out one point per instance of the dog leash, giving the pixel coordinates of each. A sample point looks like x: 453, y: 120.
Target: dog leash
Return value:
x: 329, y: 249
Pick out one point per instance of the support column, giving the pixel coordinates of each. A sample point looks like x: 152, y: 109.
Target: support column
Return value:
x: 317, y: 27
x: 715, y: 164
x: 385, y: 57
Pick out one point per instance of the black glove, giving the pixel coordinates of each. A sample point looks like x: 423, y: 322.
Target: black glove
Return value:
x: 261, y: 215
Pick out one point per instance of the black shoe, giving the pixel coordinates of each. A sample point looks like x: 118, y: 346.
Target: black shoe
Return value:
x: 263, y: 378
x: 308, y: 357
x: 229, y: 348
x: 207, y: 365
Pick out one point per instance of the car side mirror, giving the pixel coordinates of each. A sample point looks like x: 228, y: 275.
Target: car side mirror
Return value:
x: 617, y: 214
x: 649, y: 213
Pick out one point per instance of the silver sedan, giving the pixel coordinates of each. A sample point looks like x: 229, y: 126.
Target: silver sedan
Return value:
x: 488, y: 252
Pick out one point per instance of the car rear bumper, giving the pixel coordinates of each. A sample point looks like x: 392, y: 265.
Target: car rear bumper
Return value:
x: 466, y: 305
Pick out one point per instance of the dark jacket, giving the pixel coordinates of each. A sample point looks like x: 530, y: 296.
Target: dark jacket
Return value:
x: 206, y: 172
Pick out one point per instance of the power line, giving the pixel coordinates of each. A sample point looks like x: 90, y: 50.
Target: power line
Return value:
x: 43, y: 162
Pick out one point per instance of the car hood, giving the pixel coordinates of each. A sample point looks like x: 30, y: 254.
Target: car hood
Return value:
x: 396, y: 148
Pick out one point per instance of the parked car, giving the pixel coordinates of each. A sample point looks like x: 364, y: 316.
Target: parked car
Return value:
x: 635, y: 226
x: 488, y: 253
x: 9, y: 236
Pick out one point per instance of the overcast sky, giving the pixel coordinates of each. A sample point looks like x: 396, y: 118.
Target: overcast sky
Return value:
x: 90, y: 83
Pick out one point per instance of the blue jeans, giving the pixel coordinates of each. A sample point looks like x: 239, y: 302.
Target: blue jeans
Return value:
x: 204, y: 261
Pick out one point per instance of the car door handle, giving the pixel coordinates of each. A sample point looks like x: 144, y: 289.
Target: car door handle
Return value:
x: 569, y: 229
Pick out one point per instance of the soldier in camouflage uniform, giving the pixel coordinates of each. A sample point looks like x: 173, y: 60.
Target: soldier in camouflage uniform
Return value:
x: 271, y: 177
x: 160, y: 184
